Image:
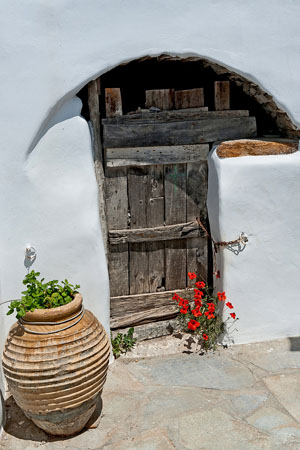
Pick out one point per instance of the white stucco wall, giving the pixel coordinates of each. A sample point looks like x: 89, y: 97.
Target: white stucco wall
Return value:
x: 49, y: 50
x: 260, y: 196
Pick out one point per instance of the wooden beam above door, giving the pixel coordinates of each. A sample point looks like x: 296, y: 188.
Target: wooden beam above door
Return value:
x: 178, y: 133
x: 145, y: 156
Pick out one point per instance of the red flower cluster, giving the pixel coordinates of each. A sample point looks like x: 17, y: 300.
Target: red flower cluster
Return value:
x: 205, y: 304
x: 181, y: 302
x: 210, y: 312
x: 193, y: 324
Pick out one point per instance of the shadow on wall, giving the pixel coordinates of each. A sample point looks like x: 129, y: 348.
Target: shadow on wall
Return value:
x: 294, y: 344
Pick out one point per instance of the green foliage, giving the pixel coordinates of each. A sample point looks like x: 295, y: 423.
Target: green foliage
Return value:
x: 123, y: 343
x: 42, y: 295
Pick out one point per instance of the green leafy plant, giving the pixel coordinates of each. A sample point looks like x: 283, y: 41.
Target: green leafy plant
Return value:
x: 41, y: 294
x: 123, y: 343
x: 202, y: 313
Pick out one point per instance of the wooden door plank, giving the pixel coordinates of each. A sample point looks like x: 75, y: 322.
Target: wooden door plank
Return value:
x: 197, y: 258
x: 175, y: 115
x: 185, y: 230
x: 137, y: 197
x: 189, y: 98
x: 160, y: 98
x: 117, y: 207
x: 133, y: 156
x: 155, y: 217
x: 134, y: 309
x: 94, y: 111
x: 113, y: 102
x: 178, y: 133
x: 222, y: 95
x: 175, y: 212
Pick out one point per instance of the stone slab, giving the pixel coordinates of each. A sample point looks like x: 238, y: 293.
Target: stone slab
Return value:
x: 165, y: 404
x: 288, y: 436
x: 214, y: 429
x: 268, y: 418
x: 209, y: 371
x: 286, y: 388
x: 154, y: 439
x: 243, y: 404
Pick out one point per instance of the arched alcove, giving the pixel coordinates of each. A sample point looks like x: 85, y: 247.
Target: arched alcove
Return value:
x: 167, y: 71
x: 140, y: 267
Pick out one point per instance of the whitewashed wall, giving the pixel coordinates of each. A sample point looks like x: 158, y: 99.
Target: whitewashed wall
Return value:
x: 49, y: 50
x: 260, y: 196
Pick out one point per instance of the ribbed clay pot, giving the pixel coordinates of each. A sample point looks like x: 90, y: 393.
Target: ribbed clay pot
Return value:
x: 56, y: 378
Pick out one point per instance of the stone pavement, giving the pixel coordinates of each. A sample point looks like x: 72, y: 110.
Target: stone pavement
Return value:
x: 241, y: 398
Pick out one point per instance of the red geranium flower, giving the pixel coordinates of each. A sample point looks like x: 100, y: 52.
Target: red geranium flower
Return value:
x: 230, y: 305
x: 221, y: 296
x: 176, y: 297
x: 233, y: 315
x: 193, y: 324
x: 218, y: 274
x: 211, y: 305
x: 205, y: 337
x: 183, y: 302
x: 198, y: 303
x: 192, y: 275
x: 200, y: 284
x: 183, y: 310
x: 198, y: 294
x: 196, y: 312
x: 209, y: 314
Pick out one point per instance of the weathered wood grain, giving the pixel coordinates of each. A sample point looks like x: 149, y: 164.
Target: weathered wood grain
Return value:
x: 117, y: 217
x: 222, y: 95
x: 93, y: 103
x: 113, y: 102
x: 136, y: 309
x: 175, y: 212
x: 160, y: 98
x: 185, y: 230
x: 137, y: 198
x: 155, y: 217
x: 182, y: 114
x: 144, y: 156
x: 151, y: 330
x: 197, y: 259
x: 178, y: 133
x: 190, y: 98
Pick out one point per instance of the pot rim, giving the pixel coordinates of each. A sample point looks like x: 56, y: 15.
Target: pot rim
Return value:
x: 55, y: 314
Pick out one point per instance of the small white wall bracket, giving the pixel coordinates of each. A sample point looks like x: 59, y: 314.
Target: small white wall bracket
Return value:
x: 30, y: 252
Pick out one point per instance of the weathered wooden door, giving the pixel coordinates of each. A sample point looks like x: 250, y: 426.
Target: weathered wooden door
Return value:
x: 154, y: 238
x: 155, y: 188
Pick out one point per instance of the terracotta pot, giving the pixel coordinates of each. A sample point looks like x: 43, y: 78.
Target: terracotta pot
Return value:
x: 56, y: 378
